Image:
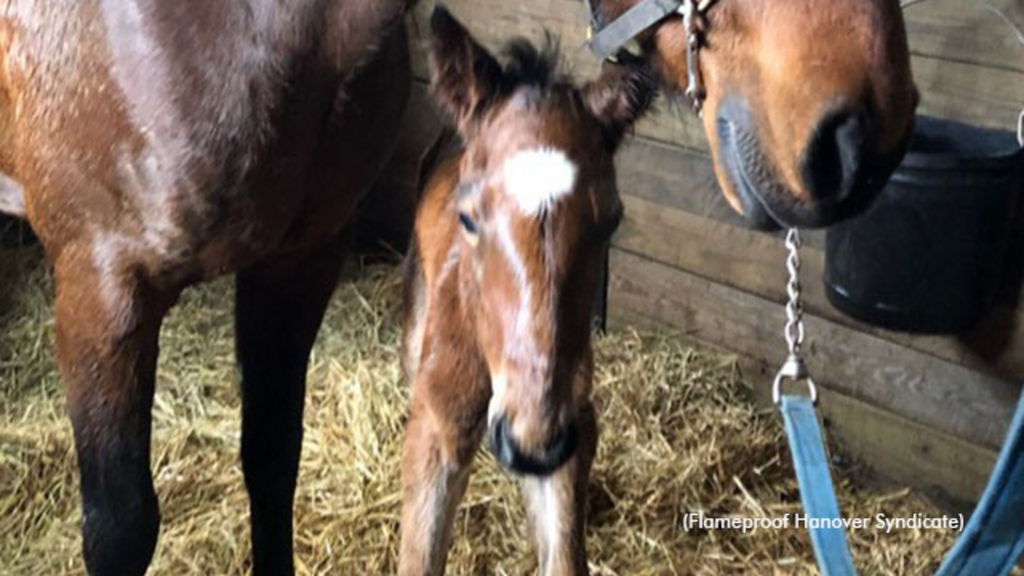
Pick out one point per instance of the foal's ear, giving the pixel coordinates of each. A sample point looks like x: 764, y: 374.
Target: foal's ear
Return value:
x: 464, y: 75
x: 622, y: 93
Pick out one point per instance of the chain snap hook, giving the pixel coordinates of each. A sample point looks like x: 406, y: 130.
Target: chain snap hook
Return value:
x: 794, y: 369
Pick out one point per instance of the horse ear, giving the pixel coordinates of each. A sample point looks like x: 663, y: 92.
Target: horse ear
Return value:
x: 463, y: 74
x: 622, y: 94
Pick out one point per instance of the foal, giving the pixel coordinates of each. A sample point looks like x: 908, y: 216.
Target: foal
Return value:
x: 503, y: 268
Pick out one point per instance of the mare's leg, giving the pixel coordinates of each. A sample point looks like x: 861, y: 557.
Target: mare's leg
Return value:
x: 108, y: 324
x: 556, y: 506
x: 278, y: 311
x: 440, y: 441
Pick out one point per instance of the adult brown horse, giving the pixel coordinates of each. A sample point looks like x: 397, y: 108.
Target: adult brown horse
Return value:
x: 809, y: 103
x: 153, y: 145
x: 505, y: 263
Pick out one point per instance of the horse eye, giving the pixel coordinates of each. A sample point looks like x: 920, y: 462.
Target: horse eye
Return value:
x: 467, y: 223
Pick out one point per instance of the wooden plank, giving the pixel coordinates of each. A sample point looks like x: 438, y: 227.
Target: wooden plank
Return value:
x: 969, y: 93
x: 967, y: 32
x: 906, y: 452
x: 972, y: 406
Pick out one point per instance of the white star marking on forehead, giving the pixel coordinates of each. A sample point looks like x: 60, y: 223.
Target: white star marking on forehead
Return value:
x: 538, y: 178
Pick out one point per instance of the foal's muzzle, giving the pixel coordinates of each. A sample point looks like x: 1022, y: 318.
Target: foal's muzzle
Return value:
x: 512, y: 457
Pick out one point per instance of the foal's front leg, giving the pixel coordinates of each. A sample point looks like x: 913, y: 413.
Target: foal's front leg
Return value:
x: 278, y: 311
x: 446, y: 424
x: 556, y: 506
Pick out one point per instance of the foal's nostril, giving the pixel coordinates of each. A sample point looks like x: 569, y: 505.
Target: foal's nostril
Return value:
x: 511, y: 456
x: 834, y: 156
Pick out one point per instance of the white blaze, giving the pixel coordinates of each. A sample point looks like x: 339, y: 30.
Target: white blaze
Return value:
x: 538, y: 178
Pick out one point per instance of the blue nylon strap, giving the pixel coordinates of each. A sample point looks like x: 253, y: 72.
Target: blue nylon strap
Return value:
x: 993, y: 540
x: 807, y: 445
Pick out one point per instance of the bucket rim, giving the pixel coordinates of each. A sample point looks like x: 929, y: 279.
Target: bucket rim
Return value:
x: 1012, y: 157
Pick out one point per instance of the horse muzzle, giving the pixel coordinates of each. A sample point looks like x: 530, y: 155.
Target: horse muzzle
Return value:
x: 841, y: 174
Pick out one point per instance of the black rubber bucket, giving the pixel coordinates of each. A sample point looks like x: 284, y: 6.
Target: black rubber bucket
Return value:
x: 927, y: 256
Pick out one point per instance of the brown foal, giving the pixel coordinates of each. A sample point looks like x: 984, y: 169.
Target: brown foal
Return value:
x: 505, y: 263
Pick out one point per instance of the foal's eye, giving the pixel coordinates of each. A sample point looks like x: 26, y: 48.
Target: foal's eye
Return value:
x: 467, y: 223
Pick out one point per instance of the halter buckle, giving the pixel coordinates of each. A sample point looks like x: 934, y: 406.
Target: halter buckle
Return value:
x: 692, y: 11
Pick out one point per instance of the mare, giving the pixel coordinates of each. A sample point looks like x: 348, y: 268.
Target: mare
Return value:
x: 154, y: 145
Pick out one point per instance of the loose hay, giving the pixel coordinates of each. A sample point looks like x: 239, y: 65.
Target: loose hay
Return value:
x: 678, y: 436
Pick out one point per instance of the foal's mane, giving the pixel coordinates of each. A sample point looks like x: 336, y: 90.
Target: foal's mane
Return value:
x: 527, y: 65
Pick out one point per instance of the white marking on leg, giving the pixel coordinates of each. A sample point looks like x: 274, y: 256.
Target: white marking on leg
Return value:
x: 538, y: 178
x: 546, y: 516
x: 550, y: 520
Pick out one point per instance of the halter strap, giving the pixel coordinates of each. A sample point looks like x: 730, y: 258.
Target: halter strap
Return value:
x: 614, y: 36
x: 607, y: 41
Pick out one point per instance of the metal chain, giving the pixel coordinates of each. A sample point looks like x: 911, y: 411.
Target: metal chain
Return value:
x: 794, y: 367
x: 794, y: 309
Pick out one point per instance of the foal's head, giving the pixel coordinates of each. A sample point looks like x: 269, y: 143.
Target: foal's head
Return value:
x: 536, y: 203
x: 810, y: 103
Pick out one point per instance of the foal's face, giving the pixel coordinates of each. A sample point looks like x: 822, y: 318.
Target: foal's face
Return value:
x: 810, y: 103
x: 536, y: 203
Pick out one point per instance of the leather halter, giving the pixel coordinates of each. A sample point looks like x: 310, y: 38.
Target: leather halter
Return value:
x: 607, y: 41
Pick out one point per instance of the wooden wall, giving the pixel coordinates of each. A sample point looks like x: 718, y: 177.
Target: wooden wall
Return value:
x: 928, y: 411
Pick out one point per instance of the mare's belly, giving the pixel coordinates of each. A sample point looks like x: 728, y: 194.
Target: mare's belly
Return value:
x: 298, y: 201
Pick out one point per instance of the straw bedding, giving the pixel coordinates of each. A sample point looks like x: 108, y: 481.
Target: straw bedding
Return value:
x: 678, y: 436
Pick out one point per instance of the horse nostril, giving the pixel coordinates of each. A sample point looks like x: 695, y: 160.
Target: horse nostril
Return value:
x: 511, y: 456
x: 834, y: 156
